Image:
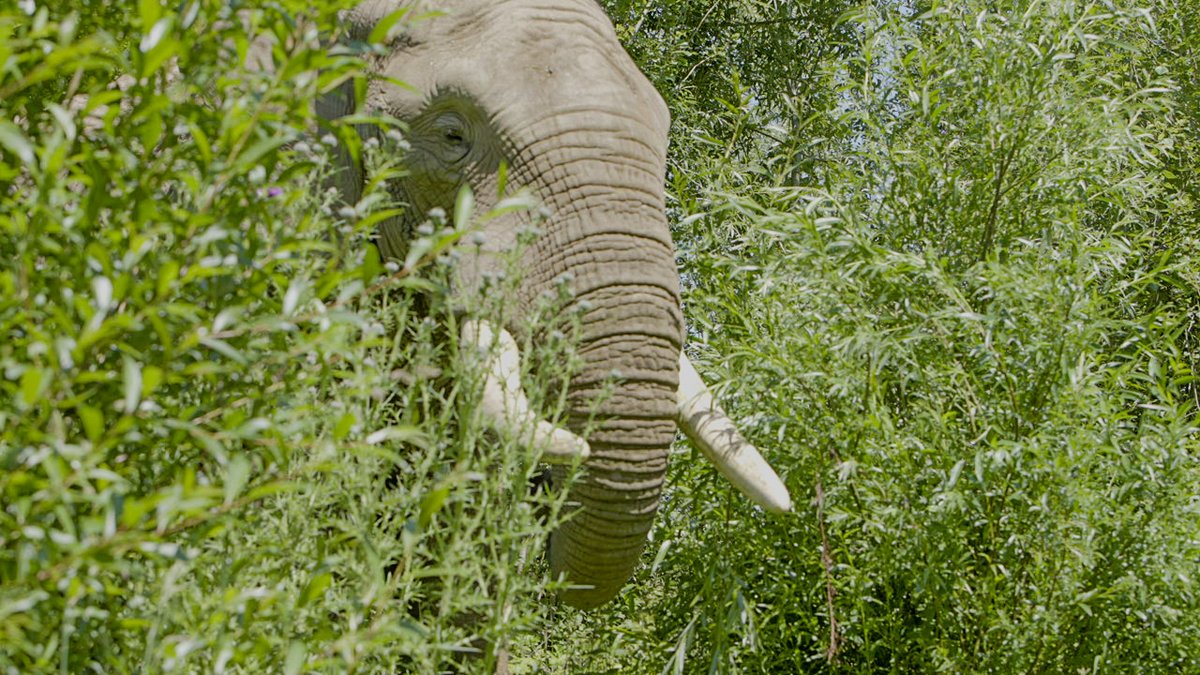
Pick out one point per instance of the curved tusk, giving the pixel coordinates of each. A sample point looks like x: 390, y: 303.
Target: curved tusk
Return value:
x: 505, y: 408
x: 715, y: 434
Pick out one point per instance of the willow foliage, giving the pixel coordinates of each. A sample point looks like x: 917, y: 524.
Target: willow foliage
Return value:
x: 944, y: 261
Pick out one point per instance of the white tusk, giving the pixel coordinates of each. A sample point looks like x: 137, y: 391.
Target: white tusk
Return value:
x: 715, y: 434
x: 505, y: 408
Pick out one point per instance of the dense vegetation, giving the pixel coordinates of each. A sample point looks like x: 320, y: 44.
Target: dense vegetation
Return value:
x: 942, y: 260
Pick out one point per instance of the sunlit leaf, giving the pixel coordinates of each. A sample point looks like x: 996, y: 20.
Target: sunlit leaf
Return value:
x: 15, y: 142
x: 132, y: 377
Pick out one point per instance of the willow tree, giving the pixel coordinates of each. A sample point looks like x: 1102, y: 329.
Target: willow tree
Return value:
x: 949, y: 254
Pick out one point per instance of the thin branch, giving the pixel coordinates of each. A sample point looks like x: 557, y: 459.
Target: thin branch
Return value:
x: 989, y: 231
x: 764, y: 22
x: 764, y: 134
x: 830, y: 591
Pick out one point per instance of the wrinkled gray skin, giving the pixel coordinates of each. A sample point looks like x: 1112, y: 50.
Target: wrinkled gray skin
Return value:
x: 546, y: 88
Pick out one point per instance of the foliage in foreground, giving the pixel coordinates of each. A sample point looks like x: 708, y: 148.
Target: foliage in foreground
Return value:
x: 943, y: 260
x: 230, y: 440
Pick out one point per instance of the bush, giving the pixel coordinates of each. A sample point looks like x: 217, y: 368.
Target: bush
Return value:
x: 960, y: 316
x: 231, y: 439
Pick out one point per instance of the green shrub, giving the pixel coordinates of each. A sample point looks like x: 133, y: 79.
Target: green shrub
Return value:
x: 231, y: 439
x: 960, y: 317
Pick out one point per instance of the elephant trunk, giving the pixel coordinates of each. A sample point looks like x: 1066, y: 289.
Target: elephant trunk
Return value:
x: 626, y: 389
x: 608, y: 232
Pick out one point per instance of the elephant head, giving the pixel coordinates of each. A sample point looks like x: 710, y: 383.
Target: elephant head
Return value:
x: 544, y: 89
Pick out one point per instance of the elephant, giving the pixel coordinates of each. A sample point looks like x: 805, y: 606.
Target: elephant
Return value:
x: 543, y: 92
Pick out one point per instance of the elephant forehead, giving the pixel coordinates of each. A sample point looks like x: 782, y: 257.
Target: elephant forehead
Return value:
x: 471, y: 16
x: 523, y: 57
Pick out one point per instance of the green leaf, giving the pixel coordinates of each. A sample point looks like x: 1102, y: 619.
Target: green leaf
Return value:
x: 260, y: 148
x: 12, y: 138
x: 152, y: 377
x: 148, y: 12
x: 168, y: 274
x: 150, y: 128
x: 64, y: 119
x: 273, y: 488
x: 33, y: 384
x: 378, y: 216
x: 132, y: 377
x: 379, y: 35
x: 431, y: 503
x: 158, y: 45
x: 291, y: 298
x: 314, y: 589
x: 224, y: 349
x: 236, y: 476
x: 93, y: 422
x: 464, y: 205
x: 297, y: 653
x: 343, y: 426
x: 200, y: 139
x: 372, y: 265
x: 404, y: 434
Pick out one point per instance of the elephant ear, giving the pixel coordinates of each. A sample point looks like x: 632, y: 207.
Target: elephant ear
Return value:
x: 360, y: 22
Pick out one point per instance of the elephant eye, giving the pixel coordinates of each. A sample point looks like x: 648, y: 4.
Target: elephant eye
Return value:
x: 451, y: 128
